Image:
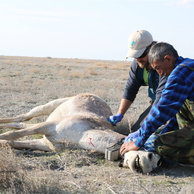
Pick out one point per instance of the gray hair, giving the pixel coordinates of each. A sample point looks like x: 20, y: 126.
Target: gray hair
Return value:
x: 160, y: 50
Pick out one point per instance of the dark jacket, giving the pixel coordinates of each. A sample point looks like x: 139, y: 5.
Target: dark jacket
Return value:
x: 135, y: 81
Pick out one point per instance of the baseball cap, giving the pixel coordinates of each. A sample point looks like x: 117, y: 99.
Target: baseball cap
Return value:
x: 138, y: 41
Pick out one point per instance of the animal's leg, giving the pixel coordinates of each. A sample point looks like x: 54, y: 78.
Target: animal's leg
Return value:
x: 42, y: 128
x: 37, y: 111
x: 16, y: 126
x: 37, y: 144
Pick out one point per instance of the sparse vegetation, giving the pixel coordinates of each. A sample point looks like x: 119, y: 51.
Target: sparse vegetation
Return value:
x: 26, y: 82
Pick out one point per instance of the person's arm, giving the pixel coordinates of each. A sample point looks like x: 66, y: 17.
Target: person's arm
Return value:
x: 124, y: 106
x: 132, y: 86
x: 131, y: 89
x: 164, y: 110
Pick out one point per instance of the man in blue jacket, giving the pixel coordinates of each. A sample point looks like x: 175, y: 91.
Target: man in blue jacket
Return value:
x: 177, y: 99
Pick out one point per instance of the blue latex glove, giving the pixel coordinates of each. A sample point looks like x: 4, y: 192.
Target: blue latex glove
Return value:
x: 115, y: 118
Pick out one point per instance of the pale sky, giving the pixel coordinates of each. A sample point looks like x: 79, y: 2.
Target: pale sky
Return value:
x: 92, y: 29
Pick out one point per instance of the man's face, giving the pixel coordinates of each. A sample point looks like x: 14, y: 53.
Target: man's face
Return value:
x: 163, y: 67
x: 143, y: 62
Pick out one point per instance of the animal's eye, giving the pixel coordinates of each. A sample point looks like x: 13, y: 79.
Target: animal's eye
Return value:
x: 150, y: 155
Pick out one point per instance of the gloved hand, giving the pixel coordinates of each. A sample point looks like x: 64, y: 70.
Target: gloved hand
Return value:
x: 115, y: 118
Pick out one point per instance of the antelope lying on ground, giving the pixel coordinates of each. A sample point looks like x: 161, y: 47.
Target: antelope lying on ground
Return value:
x: 80, y: 120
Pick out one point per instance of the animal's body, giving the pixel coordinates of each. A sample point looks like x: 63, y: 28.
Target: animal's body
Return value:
x: 80, y: 120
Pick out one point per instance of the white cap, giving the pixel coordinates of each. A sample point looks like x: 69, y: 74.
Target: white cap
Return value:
x: 138, y: 41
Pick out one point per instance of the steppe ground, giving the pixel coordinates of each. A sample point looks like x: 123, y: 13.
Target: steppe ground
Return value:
x: 26, y: 82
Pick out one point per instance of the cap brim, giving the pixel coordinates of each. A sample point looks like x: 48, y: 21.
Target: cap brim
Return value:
x: 135, y: 53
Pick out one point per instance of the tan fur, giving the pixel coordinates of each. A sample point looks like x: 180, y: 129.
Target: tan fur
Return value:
x: 80, y: 120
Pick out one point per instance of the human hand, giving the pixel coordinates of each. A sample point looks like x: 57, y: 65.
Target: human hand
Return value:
x: 115, y: 118
x: 128, y: 146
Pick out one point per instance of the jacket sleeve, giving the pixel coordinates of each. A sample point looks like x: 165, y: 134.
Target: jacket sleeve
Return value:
x: 172, y: 124
x: 132, y: 85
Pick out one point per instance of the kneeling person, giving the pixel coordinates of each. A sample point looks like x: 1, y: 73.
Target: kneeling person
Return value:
x: 177, y: 99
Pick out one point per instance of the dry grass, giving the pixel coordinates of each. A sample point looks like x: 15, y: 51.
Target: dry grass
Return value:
x: 15, y: 178
x: 27, y: 82
x: 81, y: 171
x: 9, y: 168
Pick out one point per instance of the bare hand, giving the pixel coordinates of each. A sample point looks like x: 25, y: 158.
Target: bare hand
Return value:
x: 128, y: 146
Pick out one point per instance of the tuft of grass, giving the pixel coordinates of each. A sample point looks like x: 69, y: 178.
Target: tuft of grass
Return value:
x: 9, y: 166
x: 79, y: 74
x: 92, y: 71
x: 35, y: 70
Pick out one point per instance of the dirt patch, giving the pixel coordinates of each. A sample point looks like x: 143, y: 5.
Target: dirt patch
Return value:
x: 26, y: 82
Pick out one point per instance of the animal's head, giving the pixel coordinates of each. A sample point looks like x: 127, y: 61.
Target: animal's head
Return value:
x: 141, y: 161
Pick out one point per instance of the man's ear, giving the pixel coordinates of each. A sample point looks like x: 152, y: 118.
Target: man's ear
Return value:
x: 168, y: 58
